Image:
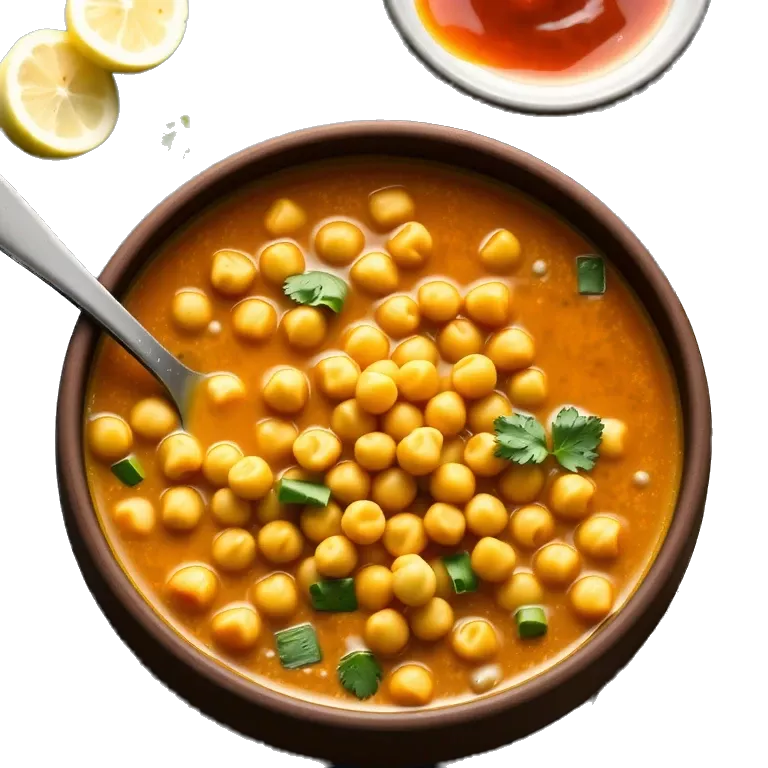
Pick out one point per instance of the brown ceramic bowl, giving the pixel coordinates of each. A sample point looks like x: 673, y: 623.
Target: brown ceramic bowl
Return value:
x: 417, y: 737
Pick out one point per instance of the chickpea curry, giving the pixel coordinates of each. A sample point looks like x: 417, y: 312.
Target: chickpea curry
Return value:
x: 439, y: 445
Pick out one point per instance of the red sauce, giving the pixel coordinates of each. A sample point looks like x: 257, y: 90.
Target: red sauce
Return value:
x: 572, y: 37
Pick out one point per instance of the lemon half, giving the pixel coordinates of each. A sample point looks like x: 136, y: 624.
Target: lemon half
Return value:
x: 54, y: 102
x: 127, y: 35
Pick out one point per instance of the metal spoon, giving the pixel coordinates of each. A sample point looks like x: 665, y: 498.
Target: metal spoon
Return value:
x: 26, y: 238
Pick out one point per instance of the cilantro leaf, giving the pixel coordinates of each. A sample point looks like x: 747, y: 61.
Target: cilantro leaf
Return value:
x: 575, y: 439
x: 316, y: 289
x: 520, y: 439
x: 360, y: 674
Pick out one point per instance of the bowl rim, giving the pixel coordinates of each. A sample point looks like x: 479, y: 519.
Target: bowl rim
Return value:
x: 651, y: 61
x: 695, y: 405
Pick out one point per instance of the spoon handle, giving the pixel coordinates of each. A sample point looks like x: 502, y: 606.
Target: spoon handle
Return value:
x: 26, y: 238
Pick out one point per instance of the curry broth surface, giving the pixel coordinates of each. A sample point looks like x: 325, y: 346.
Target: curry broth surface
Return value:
x: 600, y: 354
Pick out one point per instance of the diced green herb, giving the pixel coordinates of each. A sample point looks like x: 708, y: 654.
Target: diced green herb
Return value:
x: 317, y: 289
x: 462, y: 576
x: 298, y: 647
x: 360, y: 674
x: 520, y: 439
x: 302, y: 492
x: 531, y: 621
x: 591, y: 275
x: 334, y: 595
x: 128, y: 471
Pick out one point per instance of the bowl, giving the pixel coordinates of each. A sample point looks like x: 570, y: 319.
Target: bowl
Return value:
x: 366, y: 738
x: 664, y: 47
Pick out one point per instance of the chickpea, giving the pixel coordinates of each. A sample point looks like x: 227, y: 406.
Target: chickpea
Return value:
x: 592, y: 598
x: 153, y: 418
x: 320, y: 523
x: 401, y: 420
x: 557, y: 564
x: 386, y: 367
x: 433, y: 620
x: 227, y: 509
x: 317, y: 449
x: 419, y: 453
x: 349, y: 421
x: 305, y: 327
x: 439, y: 301
x: 393, y: 490
x: 375, y: 451
x: 416, y: 348
x: 134, y: 517
x: 236, y: 629
x: 339, y: 243
x: 475, y: 641
x: 418, y: 380
x: 280, y: 542
x: 286, y: 391
x: 483, y: 413
x: 182, y: 508
x: 444, y: 585
x: 447, y: 413
x: 612, y: 445
x: 251, y: 478
x: 193, y: 588
x: 398, y: 316
x: 528, y: 388
x: 480, y: 455
x: 598, y: 537
x: 489, y: 304
x: 254, y: 320
x: 452, y: 483
x: 336, y: 557
x: 445, y: 524
x: 337, y: 376
x: 375, y: 392
x: 404, y: 534
x: 386, y: 632
x: 191, y: 310
x: 390, y: 207
x: 274, y: 440
x: 532, y: 526
x: 571, y: 496
x: 279, y: 261
x: 486, y: 515
x: 219, y: 459
x: 411, y: 686
x: 511, y: 349
x: 307, y: 575
x: 109, y: 437
x: 234, y: 550
x: 501, y: 252
x: 348, y: 482
x: 519, y: 589
x: 223, y: 389
x: 269, y: 509
x: 276, y: 596
x: 411, y: 245
x: 363, y: 522
x: 453, y: 451
x: 232, y: 273
x: 522, y: 484
x: 180, y: 454
x: 493, y: 560
x: 474, y: 377
x: 459, y: 339
x: 284, y: 217
x: 373, y: 587
x: 486, y: 678
x: 375, y: 273
x: 366, y: 344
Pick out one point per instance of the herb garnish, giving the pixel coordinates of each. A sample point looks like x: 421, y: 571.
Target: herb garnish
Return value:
x: 316, y: 289
x: 360, y: 674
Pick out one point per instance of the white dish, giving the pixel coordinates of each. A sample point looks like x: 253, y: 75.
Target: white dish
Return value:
x: 496, y: 86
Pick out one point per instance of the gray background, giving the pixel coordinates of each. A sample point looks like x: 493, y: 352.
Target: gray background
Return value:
x: 684, y: 164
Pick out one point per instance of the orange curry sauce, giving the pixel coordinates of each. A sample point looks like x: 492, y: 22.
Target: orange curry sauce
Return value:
x: 572, y: 38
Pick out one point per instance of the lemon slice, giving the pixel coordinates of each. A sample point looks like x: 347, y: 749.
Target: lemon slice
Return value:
x: 127, y: 35
x: 54, y: 102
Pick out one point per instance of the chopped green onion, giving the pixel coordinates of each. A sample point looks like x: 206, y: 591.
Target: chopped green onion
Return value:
x: 531, y: 621
x: 298, y: 647
x: 335, y: 595
x: 462, y: 576
x: 128, y: 471
x: 302, y: 492
x: 316, y: 289
x: 591, y: 275
x: 360, y: 674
